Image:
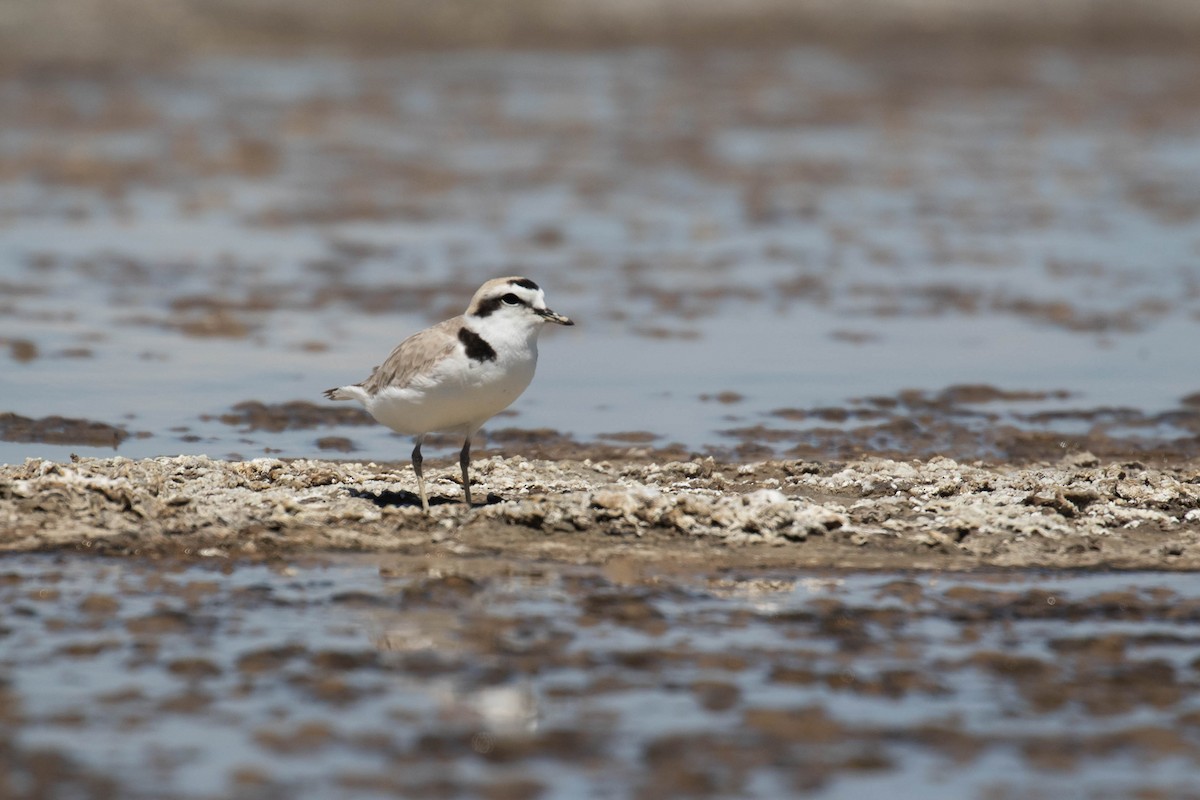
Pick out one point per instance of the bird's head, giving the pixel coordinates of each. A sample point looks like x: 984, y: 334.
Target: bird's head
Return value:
x: 514, y: 299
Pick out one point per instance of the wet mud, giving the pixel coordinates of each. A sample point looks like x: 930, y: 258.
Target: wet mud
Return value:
x: 494, y: 676
x: 971, y: 422
x: 63, y: 430
x: 261, y: 228
x: 963, y: 422
x: 253, y: 415
x: 81, y: 31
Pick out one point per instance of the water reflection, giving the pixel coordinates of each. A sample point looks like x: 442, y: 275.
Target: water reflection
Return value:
x: 382, y: 675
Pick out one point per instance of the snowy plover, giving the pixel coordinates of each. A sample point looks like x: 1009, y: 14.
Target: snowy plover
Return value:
x: 460, y: 373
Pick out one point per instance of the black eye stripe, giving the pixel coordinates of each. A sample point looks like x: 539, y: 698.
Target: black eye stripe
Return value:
x: 488, y: 306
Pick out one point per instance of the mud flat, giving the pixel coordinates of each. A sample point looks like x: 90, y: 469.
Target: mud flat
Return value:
x: 634, y: 626
x: 1080, y: 512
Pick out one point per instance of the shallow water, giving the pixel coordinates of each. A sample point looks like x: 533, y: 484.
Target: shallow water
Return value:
x: 797, y: 226
x: 475, y: 678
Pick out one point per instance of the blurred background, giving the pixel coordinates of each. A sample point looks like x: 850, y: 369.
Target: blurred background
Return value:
x: 812, y: 228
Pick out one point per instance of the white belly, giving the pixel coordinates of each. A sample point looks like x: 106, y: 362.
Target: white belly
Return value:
x: 458, y: 398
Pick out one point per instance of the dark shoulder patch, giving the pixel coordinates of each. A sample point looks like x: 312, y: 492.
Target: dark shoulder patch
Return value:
x: 487, y: 307
x: 525, y: 283
x: 477, y: 347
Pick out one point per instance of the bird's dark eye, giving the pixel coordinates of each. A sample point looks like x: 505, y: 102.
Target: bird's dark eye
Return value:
x: 511, y: 300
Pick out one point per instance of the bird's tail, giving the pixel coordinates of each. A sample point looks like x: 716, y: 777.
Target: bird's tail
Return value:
x: 341, y: 393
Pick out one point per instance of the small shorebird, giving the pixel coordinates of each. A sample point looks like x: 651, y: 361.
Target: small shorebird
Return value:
x: 458, y: 374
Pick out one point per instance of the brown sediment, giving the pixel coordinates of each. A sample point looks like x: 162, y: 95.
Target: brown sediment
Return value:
x: 727, y: 397
x: 630, y: 437
x: 855, y: 336
x: 81, y: 31
x: 660, y: 332
x: 212, y: 324
x: 21, y: 350
x: 984, y: 393
x: 972, y: 421
x: 339, y: 443
x: 254, y: 415
x: 62, y: 430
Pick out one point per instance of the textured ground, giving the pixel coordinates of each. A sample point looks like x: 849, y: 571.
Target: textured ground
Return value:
x: 876, y: 513
x: 85, y: 31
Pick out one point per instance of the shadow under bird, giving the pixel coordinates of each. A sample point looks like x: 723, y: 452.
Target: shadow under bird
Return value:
x: 455, y: 376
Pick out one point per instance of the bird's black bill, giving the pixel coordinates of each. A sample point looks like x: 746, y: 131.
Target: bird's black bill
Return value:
x: 550, y: 316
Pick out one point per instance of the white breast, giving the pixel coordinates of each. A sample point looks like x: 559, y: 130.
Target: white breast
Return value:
x: 459, y: 394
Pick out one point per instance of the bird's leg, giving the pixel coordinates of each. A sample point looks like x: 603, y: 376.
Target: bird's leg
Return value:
x: 464, y: 461
x: 416, y: 461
